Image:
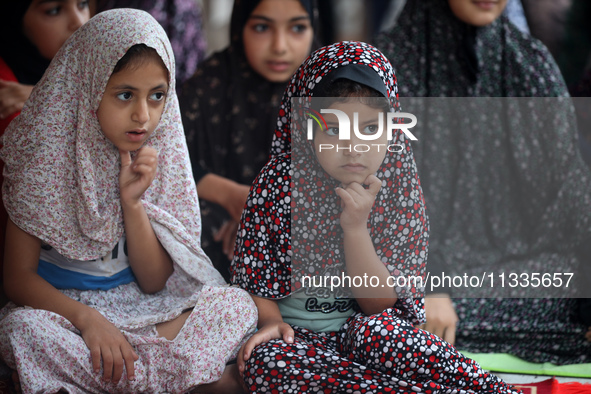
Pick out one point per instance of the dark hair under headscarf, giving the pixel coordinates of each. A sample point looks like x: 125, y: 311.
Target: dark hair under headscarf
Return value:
x: 16, y: 50
x: 229, y: 113
x: 269, y: 240
x: 242, y: 10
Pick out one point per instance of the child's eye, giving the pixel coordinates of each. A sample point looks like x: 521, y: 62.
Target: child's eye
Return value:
x: 299, y: 28
x: 260, y: 27
x: 332, y: 131
x: 83, y: 5
x: 53, y: 11
x: 125, y: 96
x: 371, y: 129
x: 158, y: 96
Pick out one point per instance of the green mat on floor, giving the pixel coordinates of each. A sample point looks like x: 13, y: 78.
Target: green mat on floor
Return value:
x: 502, y: 362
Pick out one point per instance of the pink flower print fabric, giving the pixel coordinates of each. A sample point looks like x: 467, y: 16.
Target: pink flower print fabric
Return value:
x: 62, y: 186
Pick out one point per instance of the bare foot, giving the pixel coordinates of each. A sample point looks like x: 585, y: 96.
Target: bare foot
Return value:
x: 230, y: 383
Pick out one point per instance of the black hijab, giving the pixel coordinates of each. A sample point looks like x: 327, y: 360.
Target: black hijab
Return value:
x: 229, y: 113
x: 16, y: 50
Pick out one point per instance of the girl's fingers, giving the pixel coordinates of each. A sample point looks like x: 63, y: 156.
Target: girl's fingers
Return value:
x: 118, y: 364
x: 374, y: 184
x: 144, y: 169
x: 107, y: 357
x: 125, y: 158
x: 129, y: 357
x: 241, y: 361
x: 345, y: 195
x: 145, y: 156
x: 123, y: 357
x: 356, y: 191
x: 244, y: 355
x: 147, y: 152
x: 357, y: 187
x: 359, y: 191
x: 95, y: 356
x: 248, y: 346
x: 149, y: 161
x: 288, y: 333
x: 255, y: 340
x: 353, y: 199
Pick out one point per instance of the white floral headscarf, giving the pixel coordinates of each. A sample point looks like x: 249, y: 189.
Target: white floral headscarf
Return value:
x: 61, y: 173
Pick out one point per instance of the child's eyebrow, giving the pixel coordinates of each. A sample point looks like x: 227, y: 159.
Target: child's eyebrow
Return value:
x: 161, y: 86
x: 133, y: 88
x: 267, y: 19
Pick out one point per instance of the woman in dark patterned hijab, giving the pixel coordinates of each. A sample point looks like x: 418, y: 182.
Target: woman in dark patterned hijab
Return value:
x: 505, y: 188
x: 229, y: 109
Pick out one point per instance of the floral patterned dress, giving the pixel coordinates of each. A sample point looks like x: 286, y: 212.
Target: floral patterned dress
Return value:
x: 62, y: 186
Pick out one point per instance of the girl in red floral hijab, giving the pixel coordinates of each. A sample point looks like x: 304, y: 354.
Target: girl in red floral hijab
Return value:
x: 317, y: 213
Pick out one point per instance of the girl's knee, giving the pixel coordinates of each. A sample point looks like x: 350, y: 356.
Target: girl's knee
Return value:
x: 34, y: 323
x: 386, y: 334
x: 274, y: 354
x: 19, y: 320
x: 383, y: 326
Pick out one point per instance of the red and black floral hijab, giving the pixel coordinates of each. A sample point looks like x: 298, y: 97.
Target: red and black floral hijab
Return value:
x: 319, y: 64
x: 292, y: 214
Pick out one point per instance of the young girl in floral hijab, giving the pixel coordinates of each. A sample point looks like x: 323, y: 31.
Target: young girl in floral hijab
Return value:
x: 346, y: 212
x: 109, y: 286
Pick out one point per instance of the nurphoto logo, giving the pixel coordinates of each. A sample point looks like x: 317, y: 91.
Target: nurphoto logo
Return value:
x: 344, y: 129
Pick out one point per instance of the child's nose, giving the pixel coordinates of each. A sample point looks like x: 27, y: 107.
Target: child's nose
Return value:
x: 279, y: 42
x: 141, y: 113
x: 350, y: 147
x: 78, y: 17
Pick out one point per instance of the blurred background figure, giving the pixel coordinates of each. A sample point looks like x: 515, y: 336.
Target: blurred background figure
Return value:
x: 31, y: 33
x: 182, y: 21
x: 516, y: 14
x: 546, y: 20
x: 229, y: 109
x: 499, y: 196
x: 574, y: 61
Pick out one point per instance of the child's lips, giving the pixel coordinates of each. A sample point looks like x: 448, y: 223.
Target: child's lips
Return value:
x: 354, y: 167
x: 136, y: 135
x: 486, y: 4
x: 279, y: 66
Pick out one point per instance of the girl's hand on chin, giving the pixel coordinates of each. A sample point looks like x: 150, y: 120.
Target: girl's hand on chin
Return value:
x: 357, y: 201
x: 137, y: 175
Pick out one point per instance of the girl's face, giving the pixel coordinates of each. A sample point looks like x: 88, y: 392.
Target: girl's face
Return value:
x: 351, y: 160
x: 277, y: 38
x: 133, y: 103
x: 48, y: 24
x: 477, y: 12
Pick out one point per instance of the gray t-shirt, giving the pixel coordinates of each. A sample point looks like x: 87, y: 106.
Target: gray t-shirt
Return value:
x: 316, y: 314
